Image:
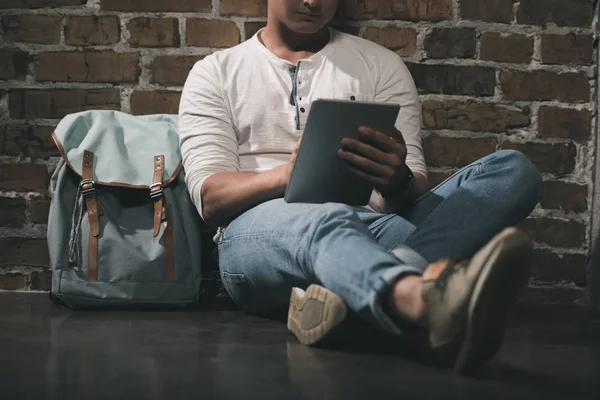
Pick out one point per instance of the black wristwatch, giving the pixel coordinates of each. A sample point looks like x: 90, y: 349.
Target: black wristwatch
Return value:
x: 408, y: 183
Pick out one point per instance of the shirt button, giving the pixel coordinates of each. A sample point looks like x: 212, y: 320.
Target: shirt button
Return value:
x: 302, y: 109
x: 352, y: 98
x: 300, y: 98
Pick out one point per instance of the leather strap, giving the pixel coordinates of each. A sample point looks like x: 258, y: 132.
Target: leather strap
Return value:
x: 88, y: 189
x: 160, y: 216
x: 156, y: 192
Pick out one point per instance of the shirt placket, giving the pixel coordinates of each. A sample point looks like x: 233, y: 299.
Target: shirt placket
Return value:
x: 302, y: 93
x: 300, y: 90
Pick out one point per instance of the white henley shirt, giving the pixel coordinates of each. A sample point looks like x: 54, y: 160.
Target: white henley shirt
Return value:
x: 241, y: 112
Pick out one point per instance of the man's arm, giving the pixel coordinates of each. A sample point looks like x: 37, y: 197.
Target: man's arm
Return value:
x: 396, y: 85
x: 228, y: 194
x: 209, y: 149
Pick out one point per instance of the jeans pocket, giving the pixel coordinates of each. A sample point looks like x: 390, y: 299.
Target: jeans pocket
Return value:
x: 245, y: 294
x: 235, y: 284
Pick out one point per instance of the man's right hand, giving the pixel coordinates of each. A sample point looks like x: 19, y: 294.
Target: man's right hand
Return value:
x: 291, y: 163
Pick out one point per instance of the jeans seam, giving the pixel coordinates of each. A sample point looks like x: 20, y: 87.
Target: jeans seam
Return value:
x: 425, y: 195
x: 381, y: 221
x: 256, y: 235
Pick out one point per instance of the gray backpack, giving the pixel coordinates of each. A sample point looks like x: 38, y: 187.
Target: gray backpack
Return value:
x: 122, y: 230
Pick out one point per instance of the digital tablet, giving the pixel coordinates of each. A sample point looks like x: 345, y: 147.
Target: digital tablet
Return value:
x: 319, y: 174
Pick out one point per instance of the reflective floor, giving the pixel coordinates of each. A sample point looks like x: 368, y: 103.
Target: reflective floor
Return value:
x: 50, y: 352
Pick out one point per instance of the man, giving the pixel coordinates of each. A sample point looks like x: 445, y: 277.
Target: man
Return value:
x: 449, y: 265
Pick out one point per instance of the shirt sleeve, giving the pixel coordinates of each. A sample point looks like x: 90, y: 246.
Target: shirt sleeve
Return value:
x: 207, y: 136
x: 396, y: 85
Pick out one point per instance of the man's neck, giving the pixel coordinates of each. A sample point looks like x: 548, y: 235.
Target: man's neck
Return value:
x: 292, y: 46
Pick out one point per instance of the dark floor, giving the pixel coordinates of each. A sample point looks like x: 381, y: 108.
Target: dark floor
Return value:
x: 51, y: 352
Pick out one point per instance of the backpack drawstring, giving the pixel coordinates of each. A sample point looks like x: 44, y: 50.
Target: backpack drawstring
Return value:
x: 76, y: 219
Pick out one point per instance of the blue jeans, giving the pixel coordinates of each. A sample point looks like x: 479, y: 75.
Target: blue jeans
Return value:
x: 276, y: 246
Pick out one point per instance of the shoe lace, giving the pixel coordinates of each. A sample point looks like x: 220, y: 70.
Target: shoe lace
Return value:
x: 452, y: 268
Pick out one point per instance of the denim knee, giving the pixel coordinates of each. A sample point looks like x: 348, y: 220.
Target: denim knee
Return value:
x: 524, y: 178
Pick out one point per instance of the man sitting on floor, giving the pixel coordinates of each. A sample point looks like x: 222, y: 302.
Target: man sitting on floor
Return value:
x: 445, y: 260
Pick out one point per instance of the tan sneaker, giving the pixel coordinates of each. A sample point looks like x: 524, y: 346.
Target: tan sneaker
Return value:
x: 314, y: 313
x: 468, y: 302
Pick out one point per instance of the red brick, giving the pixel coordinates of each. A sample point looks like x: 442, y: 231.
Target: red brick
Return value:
x: 246, y: 8
x: 251, y: 27
x: 437, y: 177
x: 455, y: 152
x: 564, y: 123
x: 12, y: 211
x: 555, y: 232
x: 39, y: 210
x: 511, y: 48
x: 13, y: 64
x: 24, y: 252
x: 471, y: 115
x: 56, y: 103
x: 551, y: 295
x: 567, y: 49
x: 212, y: 33
x: 27, y: 141
x: 28, y: 177
x: 453, y: 79
x: 561, y: 12
x: 487, y: 10
x: 172, y: 70
x: 12, y: 281
x: 88, y: 66
x: 451, y: 43
x: 156, y: 102
x: 154, y: 32
x: 548, y: 266
x: 31, y: 29
x: 565, y: 196
x: 40, y: 3
x: 544, y: 85
x: 94, y: 30
x: 411, y: 10
x: 41, y: 281
x: 402, y: 41
x: 555, y: 158
x: 157, y: 5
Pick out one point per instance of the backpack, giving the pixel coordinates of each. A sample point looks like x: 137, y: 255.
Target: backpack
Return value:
x: 122, y: 229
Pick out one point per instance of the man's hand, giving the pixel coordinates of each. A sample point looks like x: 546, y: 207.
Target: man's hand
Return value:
x: 286, y: 170
x: 377, y: 158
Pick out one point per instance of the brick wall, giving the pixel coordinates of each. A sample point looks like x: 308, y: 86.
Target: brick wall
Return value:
x: 493, y: 74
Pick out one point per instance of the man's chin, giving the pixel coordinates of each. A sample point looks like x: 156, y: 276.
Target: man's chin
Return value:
x: 305, y: 27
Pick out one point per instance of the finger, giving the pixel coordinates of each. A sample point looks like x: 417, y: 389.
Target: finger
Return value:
x: 375, y: 181
x: 379, y: 139
x: 363, y: 164
x: 363, y: 149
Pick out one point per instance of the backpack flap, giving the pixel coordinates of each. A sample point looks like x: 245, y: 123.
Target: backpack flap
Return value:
x: 124, y: 146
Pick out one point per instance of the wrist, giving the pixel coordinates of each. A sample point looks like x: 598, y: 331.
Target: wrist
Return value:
x: 279, y: 179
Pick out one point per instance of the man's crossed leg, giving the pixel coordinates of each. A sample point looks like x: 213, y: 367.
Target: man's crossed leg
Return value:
x: 448, y: 264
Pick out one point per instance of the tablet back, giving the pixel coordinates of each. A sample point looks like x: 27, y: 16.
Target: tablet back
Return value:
x: 319, y: 175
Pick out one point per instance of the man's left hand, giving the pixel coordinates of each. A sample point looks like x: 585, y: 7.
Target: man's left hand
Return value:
x: 377, y: 157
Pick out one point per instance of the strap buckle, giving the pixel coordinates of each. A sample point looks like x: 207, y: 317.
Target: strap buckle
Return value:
x: 91, y: 186
x: 156, y: 193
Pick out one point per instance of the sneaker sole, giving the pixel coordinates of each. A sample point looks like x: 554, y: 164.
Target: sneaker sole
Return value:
x: 505, y: 273
x: 314, y: 314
